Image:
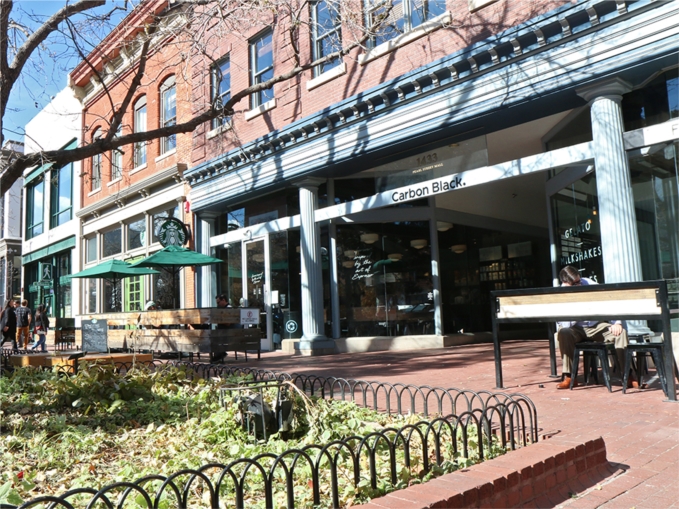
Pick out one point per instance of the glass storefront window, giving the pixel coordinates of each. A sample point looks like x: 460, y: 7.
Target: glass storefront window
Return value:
x: 577, y: 228
x: 91, y: 289
x: 165, y: 288
x: 385, y: 283
x: 112, y: 296
x: 657, y: 102
x: 91, y: 249
x: 655, y: 184
x: 231, y: 273
x: 112, y: 243
x: 136, y: 234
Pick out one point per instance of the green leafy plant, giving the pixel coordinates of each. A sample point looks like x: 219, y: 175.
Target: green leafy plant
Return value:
x: 60, y: 432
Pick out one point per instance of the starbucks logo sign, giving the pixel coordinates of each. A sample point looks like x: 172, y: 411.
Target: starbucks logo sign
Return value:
x: 172, y: 233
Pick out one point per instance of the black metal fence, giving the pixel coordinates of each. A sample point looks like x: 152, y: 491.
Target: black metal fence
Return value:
x: 463, y: 424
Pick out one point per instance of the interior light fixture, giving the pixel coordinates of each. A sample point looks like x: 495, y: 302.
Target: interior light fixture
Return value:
x: 458, y: 248
x: 350, y: 253
x: 395, y: 256
x: 348, y: 264
x: 418, y: 243
x: 443, y: 226
x: 369, y: 238
x: 594, y: 211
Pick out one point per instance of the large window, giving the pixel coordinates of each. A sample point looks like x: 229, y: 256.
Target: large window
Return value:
x: 91, y: 249
x: 136, y: 234
x: 112, y: 244
x: 62, y: 195
x: 327, y: 33
x: 35, y: 207
x: 95, y: 180
x: 261, y: 66
x: 168, y: 113
x: 140, y: 127
x: 221, y: 89
x: 389, y: 19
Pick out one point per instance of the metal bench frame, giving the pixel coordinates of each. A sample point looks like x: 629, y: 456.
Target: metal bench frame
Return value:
x: 550, y: 305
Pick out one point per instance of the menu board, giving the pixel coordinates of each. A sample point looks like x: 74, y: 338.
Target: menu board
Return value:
x: 95, y: 335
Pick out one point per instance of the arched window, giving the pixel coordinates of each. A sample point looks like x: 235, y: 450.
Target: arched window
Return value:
x: 140, y: 127
x: 168, y: 113
x: 95, y: 179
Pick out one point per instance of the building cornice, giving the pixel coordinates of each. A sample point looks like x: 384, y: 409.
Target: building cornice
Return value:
x: 525, y: 41
x: 143, y: 188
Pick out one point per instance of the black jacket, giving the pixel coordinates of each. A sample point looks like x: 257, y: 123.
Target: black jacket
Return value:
x: 8, y: 319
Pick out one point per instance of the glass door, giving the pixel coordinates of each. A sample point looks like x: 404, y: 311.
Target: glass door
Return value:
x: 256, y: 276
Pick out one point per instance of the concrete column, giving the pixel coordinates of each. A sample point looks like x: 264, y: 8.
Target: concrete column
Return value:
x: 314, y: 341
x: 619, y: 237
x: 206, y: 277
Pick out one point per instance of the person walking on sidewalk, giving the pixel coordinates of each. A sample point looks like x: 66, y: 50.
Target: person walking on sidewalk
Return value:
x: 8, y: 324
x: 23, y: 316
x: 571, y: 333
x: 42, y: 325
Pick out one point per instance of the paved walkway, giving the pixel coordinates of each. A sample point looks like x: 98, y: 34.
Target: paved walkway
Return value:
x: 640, y: 428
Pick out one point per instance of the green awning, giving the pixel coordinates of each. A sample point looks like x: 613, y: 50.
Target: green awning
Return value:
x: 57, y: 247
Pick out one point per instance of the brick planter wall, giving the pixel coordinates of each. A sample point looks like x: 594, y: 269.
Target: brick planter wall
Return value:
x: 540, y: 475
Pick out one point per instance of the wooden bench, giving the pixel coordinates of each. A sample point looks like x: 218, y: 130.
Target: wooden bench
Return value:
x: 170, y: 331
x: 619, y: 301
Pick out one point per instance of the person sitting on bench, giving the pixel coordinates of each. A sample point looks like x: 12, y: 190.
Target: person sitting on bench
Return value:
x: 571, y: 333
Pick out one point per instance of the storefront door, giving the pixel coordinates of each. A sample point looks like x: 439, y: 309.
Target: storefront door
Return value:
x: 256, y: 289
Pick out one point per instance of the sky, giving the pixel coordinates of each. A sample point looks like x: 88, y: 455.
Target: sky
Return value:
x: 46, y: 74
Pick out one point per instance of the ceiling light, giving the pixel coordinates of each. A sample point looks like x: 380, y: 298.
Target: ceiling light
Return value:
x: 443, y: 226
x: 418, y: 243
x: 369, y: 238
x: 395, y: 256
x: 458, y: 248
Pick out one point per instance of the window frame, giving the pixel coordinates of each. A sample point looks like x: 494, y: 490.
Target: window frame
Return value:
x: 140, y: 156
x: 104, y: 255
x: 405, y: 19
x: 31, y: 224
x: 258, y: 98
x: 55, y: 196
x: 317, y: 39
x: 216, y: 94
x: 168, y: 143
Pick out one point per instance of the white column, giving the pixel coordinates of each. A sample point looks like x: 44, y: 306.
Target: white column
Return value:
x: 206, y: 277
x: 313, y: 340
x: 619, y: 238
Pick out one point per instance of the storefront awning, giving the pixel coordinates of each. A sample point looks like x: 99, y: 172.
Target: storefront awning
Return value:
x: 62, y: 245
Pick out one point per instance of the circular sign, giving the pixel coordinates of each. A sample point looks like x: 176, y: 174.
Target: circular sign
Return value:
x: 291, y: 326
x: 172, y: 233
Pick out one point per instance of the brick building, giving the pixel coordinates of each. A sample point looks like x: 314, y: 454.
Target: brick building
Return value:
x: 128, y: 194
x: 375, y: 200
x: 476, y: 146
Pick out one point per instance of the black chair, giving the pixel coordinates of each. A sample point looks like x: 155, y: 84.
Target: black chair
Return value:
x: 656, y: 351
x: 591, y: 351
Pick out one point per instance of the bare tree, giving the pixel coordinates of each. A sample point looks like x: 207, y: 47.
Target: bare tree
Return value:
x: 178, y: 23
x: 189, y: 33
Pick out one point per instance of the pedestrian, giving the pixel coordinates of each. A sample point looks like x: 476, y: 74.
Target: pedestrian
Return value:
x: 42, y: 325
x: 8, y: 324
x: 23, y: 318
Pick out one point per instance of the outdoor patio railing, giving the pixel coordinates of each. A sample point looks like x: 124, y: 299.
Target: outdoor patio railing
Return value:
x: 484, y: 422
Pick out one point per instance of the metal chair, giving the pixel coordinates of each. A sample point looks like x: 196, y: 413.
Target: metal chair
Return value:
x: 656, y: 351
x: 591, y: 351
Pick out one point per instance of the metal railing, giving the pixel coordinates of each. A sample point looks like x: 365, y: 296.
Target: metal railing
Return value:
x: 484, y: 422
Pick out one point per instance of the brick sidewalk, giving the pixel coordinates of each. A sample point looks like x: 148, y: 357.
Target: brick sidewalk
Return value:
x: 640, y: 429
